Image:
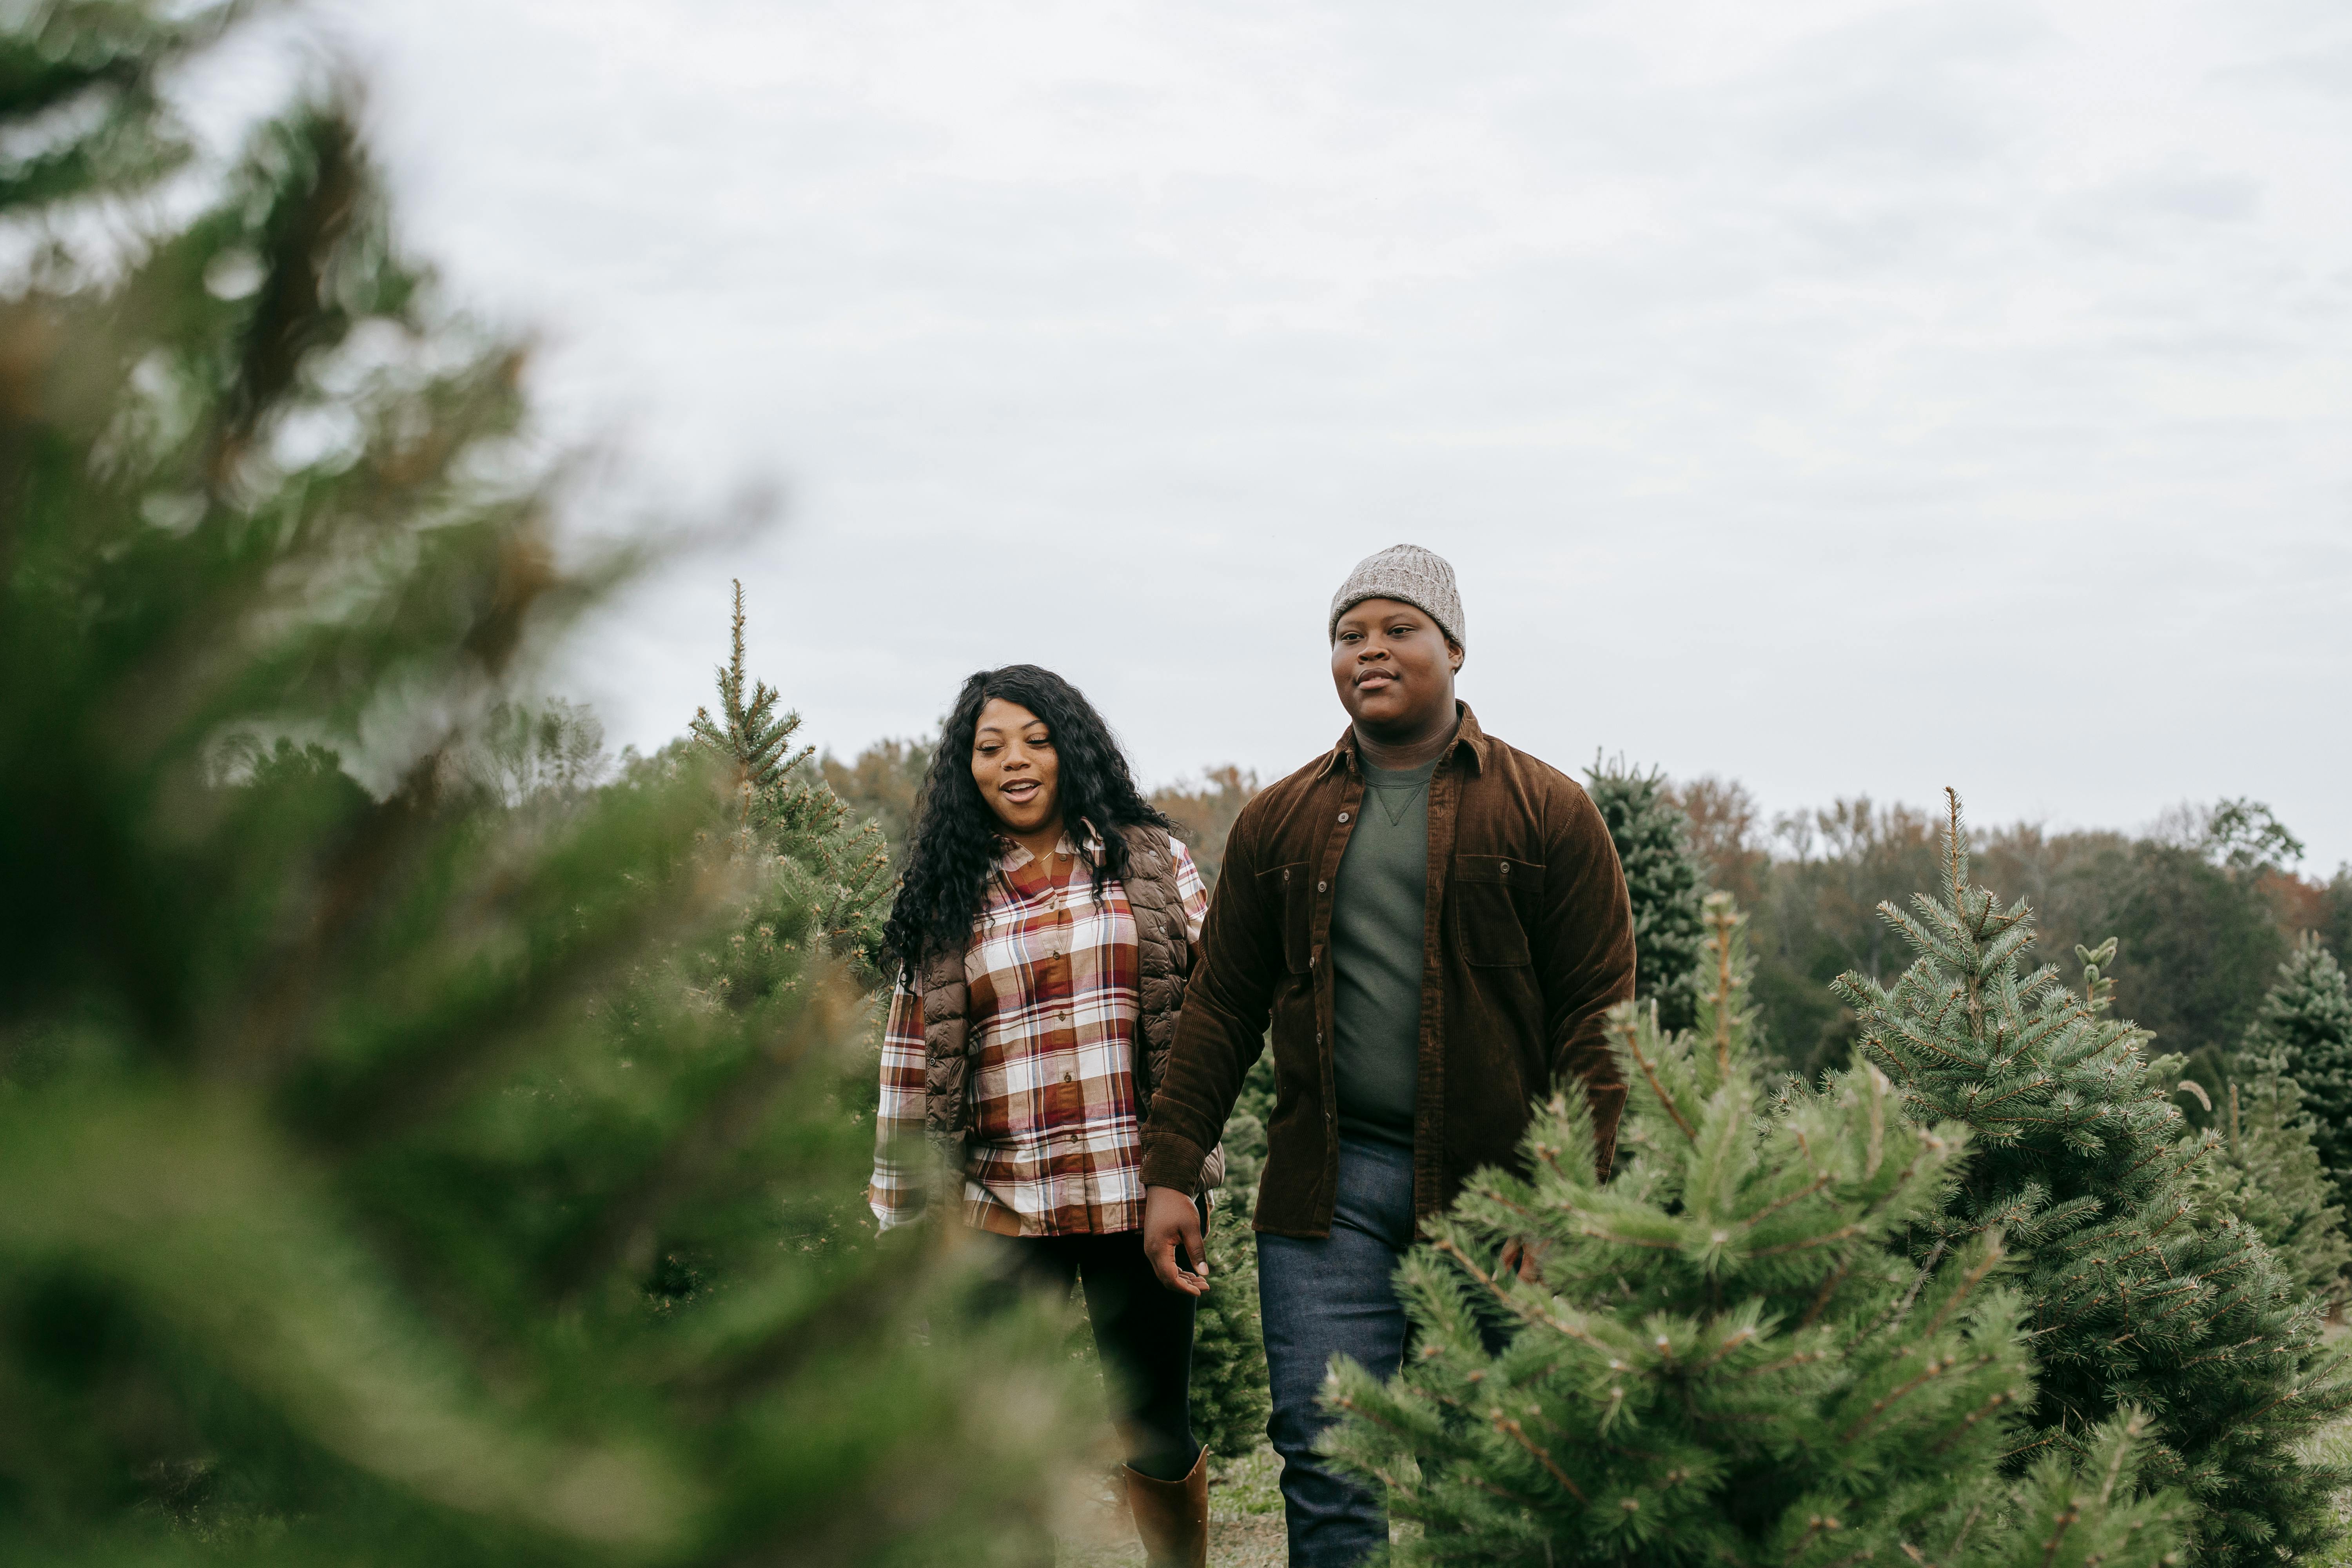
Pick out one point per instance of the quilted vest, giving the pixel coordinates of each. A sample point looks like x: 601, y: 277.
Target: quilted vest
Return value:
x: 1164, y: 963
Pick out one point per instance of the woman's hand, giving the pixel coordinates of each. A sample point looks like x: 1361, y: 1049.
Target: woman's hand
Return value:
x: 1169, y: 1218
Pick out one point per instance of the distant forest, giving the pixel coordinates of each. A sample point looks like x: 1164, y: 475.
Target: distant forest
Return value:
x: 2205, y: 905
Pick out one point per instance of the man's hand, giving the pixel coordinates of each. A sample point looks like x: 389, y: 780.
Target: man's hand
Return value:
x: 1169, y: 1219
x: 1520, y: 1255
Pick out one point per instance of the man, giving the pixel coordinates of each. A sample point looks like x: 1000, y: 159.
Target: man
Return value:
x: 1435, y: 924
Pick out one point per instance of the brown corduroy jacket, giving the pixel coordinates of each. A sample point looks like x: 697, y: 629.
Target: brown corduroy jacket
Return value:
x: 1527, y: 941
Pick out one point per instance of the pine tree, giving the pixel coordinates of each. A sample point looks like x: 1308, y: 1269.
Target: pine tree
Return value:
x: 1230, y: 1395
x: 1726, y: 1361
x: 2305, y: 1022
x: 2135, y: 1297
x: 782, y: 801
x: 1664, y: 878
x: 2266, y: 1172
x: 387, y: 1181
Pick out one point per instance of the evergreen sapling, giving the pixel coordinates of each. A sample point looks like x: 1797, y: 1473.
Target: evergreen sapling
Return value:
x: 1230, y: 1398
x: 2305, y: 1023
x: 1725, y: 1359
x: 2266, y: 1170
x: 1663, y: 878
x: 2084, y: 1164
x: 780, y: 800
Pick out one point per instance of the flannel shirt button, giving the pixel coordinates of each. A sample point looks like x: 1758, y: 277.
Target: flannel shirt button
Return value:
x: 1343, y: 817
x: 1322, y: 887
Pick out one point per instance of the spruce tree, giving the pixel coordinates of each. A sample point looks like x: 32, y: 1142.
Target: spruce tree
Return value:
x: 2266, y: 1171
x: 1664, y: 878
x: 1230, y: 1397
x: 2305, y: 1022
x: 1726, y: 1360
x: 780, y: 801
x: 2135, y: 1296
x: 387, y: 1180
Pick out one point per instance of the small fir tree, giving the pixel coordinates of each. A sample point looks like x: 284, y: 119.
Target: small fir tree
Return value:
x: 780, y: 800
x: 1725, y: 1360
x: 2134, y: 1296
x: 1664, y: 878
x: 2266, y: 1171
x: 2305, y: 1023
x: 1230, y: 1396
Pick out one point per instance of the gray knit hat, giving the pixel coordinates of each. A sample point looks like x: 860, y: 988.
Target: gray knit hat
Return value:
x: 1419, y: 577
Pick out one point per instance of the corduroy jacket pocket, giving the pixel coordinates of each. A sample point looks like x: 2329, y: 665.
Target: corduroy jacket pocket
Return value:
x: 1486, y: 890
x: 1289, y: 890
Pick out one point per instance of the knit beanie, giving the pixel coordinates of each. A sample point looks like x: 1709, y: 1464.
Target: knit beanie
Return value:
x: 1418, y: 577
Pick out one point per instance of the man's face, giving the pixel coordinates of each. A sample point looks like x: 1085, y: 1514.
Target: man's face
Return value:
x: 1393, y: 668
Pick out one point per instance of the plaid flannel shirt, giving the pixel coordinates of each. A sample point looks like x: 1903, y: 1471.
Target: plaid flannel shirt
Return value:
x: 1053, y: 1145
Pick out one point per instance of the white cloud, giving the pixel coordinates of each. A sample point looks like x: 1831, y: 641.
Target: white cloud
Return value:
x: 1844, y: 396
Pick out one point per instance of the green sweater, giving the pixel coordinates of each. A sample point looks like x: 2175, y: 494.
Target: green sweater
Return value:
x: 1376, y: 955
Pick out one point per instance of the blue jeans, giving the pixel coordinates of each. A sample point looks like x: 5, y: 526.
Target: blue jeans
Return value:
x: 1334, y: 1297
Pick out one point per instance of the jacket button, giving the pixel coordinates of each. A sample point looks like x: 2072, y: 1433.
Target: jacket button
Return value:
x: 1507, y: 867
x: 1343, y: 817
x: 1322, y: 887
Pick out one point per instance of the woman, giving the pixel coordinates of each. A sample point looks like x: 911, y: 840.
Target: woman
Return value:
x: 1043, y: 933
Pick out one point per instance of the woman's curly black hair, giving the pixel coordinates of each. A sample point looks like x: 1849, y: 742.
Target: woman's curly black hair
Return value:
x: 957, y: 838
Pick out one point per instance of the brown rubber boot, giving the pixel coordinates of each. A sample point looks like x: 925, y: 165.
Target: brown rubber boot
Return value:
x: 1172, y: 1518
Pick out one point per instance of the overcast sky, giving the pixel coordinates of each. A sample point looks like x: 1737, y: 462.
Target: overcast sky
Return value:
x: 1840, y: 396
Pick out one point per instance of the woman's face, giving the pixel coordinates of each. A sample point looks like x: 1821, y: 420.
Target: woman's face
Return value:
x: 1013, y: 762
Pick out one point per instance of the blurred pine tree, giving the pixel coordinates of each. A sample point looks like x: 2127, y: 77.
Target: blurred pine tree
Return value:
x: 1726, y: 1361
x: 2136, y: 1298
x: 2266, y: 1170
x: 1230, y: 1397
x: 1664, y: 879
x: 395, y: 1173
x: 1230, y: 1394
x: 2305, y: 1022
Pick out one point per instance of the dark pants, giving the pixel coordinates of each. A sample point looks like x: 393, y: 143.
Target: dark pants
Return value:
x: 1143, y: 1330
x: 1334, y: 1297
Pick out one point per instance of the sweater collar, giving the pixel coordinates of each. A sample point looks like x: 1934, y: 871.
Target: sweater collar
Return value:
x: 1469, y: 741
